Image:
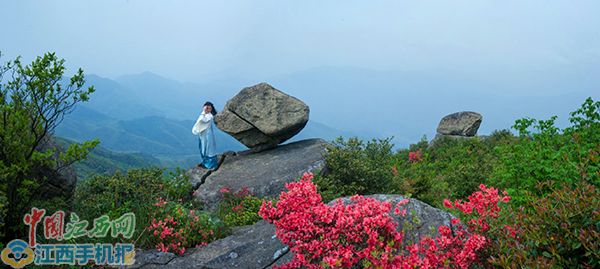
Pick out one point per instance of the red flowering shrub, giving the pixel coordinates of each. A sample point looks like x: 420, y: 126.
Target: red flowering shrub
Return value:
x: 363, y: 233
x: 175, y: 228
x: 482, y: 205
x: 482, y: 214
x: 415, y: 156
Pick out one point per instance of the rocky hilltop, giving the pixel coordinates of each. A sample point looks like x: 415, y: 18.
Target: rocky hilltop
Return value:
x: 262, y: 117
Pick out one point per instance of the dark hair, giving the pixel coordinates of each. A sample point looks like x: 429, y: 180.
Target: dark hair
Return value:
x: 213, y: 110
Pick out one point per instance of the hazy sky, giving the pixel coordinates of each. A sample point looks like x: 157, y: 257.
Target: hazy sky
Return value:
x: 194, y: 40
x: 506, y: 59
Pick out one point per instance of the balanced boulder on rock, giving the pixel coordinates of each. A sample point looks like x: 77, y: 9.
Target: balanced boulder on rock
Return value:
x: 261, y: 117
x: 264, y: 174
x: 464, y: 123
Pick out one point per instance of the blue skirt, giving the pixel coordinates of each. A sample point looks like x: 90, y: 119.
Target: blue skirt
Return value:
x: 209, y: 162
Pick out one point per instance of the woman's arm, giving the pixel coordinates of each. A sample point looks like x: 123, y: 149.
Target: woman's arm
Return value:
x: 201, y: 122
x: 205, y: 117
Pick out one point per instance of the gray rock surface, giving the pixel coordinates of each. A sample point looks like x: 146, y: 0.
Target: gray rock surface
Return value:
x: 263, y: 173
x: 464, y: 123
x: 261, y: 117
x: 253, y: 246
x: 198, y: 174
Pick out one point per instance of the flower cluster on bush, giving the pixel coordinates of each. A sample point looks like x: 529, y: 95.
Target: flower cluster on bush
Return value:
x: 415, y: 156
x: 363, y: 232
x: 238, y: 208
x: 174, y: 227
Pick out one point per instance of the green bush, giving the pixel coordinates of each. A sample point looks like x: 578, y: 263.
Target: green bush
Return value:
x: 34, y: 99
x: 239, y: 208
x: 449, y: 167
x: 561, y: 230
x: 548, y: 153
x: 135, y: 191
x: 357, y: 168
x: 417, y: 179
x: 174, y: 227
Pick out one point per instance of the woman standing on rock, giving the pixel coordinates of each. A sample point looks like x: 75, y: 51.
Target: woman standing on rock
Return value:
x: 204, y: 130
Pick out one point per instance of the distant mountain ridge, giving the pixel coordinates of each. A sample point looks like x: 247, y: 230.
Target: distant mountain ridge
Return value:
x: 151, y: 114
x: 137, y: 114
x: 104, y: 161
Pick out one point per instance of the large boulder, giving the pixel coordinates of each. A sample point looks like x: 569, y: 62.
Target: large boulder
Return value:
x: 261, y: 117
x: 254, y: 246
x: 464, y: 123
x: 264, y: 173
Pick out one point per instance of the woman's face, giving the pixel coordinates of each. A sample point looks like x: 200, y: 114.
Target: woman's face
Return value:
x: 208, y: 109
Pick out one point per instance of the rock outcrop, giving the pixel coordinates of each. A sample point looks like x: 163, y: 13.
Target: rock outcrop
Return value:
x: 254, y: 246
x: 464, y: 123
x: 261, y: 117
x: 264, y: 173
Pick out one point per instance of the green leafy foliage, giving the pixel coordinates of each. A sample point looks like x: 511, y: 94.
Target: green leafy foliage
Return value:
x: 135, y: 191
x: 34, y: 99
x: 450, y: 167
x: 239, y: 208
x: 561, y: 230
x: 175, y: 227
x: 357, y: 168
x: 545, y: 153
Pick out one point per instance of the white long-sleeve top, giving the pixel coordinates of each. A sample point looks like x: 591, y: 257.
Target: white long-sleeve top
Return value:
x: 203, y: 122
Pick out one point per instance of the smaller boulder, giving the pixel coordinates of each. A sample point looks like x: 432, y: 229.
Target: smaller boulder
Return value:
x: 464, y: 123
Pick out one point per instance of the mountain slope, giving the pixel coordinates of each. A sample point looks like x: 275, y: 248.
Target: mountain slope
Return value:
x: 104, y: 161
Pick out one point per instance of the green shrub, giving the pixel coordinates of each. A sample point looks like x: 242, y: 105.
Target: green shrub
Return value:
x: 174, y: 227
x: 357, y: 168
x: 34, y: 98
x: 561, y: 230
x: 416, y: 179
x: 135, y: 191
x: 547, y: 153
x: 239, y: 208
x: 449, y: 167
